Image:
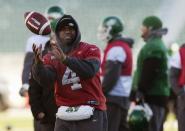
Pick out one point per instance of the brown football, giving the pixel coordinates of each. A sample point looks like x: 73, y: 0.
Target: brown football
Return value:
x: 37, y: 23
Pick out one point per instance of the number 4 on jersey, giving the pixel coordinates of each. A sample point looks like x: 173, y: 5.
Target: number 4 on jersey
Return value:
x: 70, y: 77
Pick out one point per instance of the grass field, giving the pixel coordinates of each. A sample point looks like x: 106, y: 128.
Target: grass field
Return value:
x: 16, y: 119
x: 21, y: 120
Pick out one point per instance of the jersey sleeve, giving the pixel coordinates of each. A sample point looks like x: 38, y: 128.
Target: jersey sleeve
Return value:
x: 50, y: 61
x: 29, y: 44
x: 175, y: 61
x: 45, y: 74
x: 93, y: 52
x: 116, y: 54
x: 36, y: 39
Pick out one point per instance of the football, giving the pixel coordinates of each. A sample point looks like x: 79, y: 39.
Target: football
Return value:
x: 37, y: 23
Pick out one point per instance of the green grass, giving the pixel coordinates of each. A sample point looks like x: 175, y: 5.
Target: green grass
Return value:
x: 18, y: 120
x: 17, y: 124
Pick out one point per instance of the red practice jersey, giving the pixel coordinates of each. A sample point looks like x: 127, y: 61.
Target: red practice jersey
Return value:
x: 71, y: 89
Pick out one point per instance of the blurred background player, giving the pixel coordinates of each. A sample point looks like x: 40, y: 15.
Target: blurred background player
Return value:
x: 116, y: 72
x: 52, y: 13
x: 42, y: 114
x: 42, y: 102
x: 151, y: 78
x: 177, y: 80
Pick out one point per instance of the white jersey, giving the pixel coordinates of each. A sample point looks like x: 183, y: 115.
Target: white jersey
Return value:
x: 124, y: 83
x: 175, y: 61
x: 36, y: 39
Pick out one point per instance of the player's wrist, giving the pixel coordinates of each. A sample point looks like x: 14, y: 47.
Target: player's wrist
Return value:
x: 38, y: 62
x: 63, y: 59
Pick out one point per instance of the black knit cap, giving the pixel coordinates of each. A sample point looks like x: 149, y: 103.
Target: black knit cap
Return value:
x: 152, y: 22
x: 66, y: 20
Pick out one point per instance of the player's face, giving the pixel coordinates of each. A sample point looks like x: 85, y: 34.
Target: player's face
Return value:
x: 53, y: 36
x: 67, y: 34
x: 144, y: 31
x: 50, y: 18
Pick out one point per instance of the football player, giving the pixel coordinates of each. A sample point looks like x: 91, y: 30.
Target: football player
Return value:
x: 44, y: 116
x: 177, y: 80
x: 53, y: 13
x: 151, y: 77
x: 116, y: 72
x: 73, y: 67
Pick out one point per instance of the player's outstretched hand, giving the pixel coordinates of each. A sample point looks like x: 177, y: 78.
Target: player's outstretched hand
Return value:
x: 38, y: 53
x: 57, y: 51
